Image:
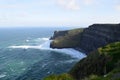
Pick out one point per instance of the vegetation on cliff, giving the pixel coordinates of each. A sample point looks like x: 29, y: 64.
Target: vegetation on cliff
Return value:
x: 99, y: 62
x: 88, y: 39
x: 69, y: 39
x: 102, y: 64
x: 59, y: 77
x: 113, y: 75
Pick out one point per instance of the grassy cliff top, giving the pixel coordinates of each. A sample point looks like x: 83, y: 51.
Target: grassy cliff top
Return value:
x: 70, y: 39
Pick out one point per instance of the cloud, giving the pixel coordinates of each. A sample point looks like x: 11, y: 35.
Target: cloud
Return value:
x: 11, y: 6
x: 69, y: 4
x: 117, y: 7
x: 88, y: 2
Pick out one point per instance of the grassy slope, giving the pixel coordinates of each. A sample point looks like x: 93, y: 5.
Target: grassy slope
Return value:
x: 71, y: 39
x: 105, y: 60
x: 59, y: 77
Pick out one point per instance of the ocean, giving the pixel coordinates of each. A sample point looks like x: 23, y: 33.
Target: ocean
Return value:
x: 25, y: 53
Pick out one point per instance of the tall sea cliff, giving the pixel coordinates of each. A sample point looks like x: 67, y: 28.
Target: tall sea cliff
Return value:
x: 101, y: 42
x: 88, y: 39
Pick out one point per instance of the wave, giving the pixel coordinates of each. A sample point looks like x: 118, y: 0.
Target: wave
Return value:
x: 46, y: 46
x: 2, y: 75
x: 27, y: 40
x: 41, y: 39
x: 46, y: 39
x: 74, y: 53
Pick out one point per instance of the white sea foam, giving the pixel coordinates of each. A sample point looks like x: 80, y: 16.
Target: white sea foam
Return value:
x: 46, y: 46
x: 2, y: 75
x: 23, y: 47
x: 27, y: 40
x: 41, y: 39
x: 46, y: 39
x: 72, y: 52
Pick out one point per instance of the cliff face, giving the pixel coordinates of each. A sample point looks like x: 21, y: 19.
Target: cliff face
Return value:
x: 102, y: 64
x: 99, y: 35
x: 58, y: 34
x: 66, y: 39
x: 93, y: 37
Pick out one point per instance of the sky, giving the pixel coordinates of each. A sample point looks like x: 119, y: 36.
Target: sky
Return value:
x: 17, y: 13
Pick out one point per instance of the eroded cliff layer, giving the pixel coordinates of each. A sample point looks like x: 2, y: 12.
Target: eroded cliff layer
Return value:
x: 99, y: 35
x: 93, y: 37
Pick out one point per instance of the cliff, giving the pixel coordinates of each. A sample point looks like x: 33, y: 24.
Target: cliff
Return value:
x: 63, y: 39
x: 99, y: 35
x: 58, y: 34
x: 99, y: 62
x: 102, y: 64
x: 93, y: 37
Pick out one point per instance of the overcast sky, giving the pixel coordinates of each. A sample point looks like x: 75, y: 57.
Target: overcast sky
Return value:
x: 58, y: 12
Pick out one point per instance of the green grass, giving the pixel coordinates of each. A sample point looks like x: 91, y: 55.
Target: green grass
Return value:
x: 109, y: 76
x: 71, y: 39
x: 59, y: 77
x: 113, y: 52
x: 99, y: 62
x: 94, y: 77
x: 103, y: 61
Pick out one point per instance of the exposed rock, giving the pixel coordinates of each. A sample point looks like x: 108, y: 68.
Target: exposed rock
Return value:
x: 99, y: 35
x: 93, y: 37
x: 97, y: 65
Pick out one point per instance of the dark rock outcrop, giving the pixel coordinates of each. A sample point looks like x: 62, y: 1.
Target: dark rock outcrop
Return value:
x: 99, y: 35
x: 93, y: 37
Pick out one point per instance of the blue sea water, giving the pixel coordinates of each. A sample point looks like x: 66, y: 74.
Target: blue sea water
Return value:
x: 25, y: 52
